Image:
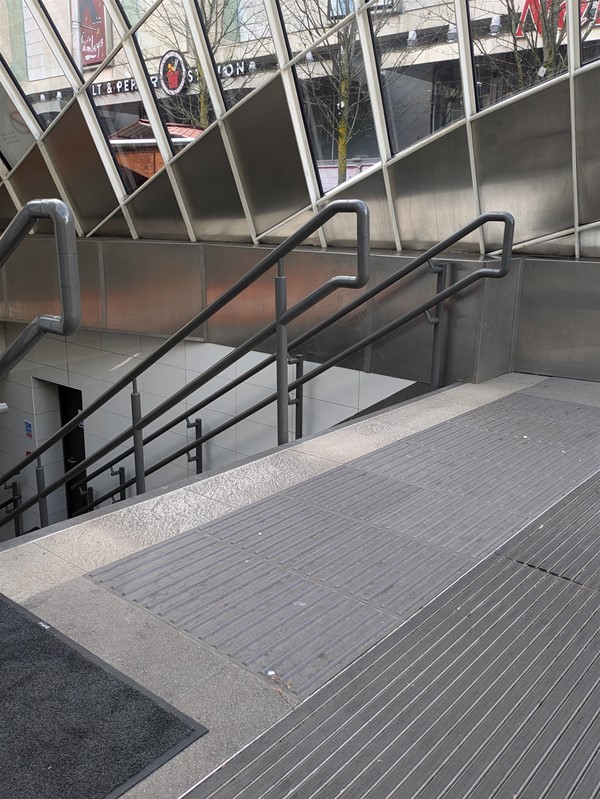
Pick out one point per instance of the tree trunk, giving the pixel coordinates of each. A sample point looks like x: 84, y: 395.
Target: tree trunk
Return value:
x: 203, y: 100
x: 343, y: 121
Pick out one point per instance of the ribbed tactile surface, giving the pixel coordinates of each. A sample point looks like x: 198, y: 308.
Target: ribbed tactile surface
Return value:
x: 491, y: 691
x: 296, y: 597
x: 296, y: 586
x: 566, y: 540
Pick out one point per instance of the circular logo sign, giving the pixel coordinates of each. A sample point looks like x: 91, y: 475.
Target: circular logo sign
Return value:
x: 172, y: 72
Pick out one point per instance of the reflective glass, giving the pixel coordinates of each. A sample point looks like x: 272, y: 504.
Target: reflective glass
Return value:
x: 240, y: 38
x: 15, y: 137
x: 125, y: 122
x: 134, y: 10
x: 306, y: 21
x: 86, y: 30
x: 516, y: 47
x: 32, y: 62
x: 417, y: 53
x: 176, y: 74
x: 589, y: 23
x: 337, y: 107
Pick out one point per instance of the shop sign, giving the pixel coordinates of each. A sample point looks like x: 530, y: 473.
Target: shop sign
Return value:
x: 173, y: 76
x: 92, y: 32
x: 172, y: 72
x: 532, y: 15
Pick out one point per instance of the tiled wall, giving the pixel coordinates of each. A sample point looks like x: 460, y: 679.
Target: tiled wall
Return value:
x: 91, y: 361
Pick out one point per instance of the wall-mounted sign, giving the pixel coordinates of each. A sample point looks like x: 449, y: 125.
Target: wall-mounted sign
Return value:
x: 92, y: 32
x: 172, y: 72
x: 173, y: 76
x: 532, y: 15
x: 28, y: 428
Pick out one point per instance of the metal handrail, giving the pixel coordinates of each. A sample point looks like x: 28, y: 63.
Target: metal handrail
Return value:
x: 68, y: 276
x: 435, y: 300
x: 357, y: 281
x: 231, y: 358
x: 285, y: 317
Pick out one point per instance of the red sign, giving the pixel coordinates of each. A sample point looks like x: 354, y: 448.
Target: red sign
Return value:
x: 92, y: 32
x: 532, y: 13
x: 172, y: 72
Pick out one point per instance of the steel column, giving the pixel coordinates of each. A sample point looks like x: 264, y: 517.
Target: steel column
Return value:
x: 40, y: 482
x: 138, y: 440
x: 282, y: 355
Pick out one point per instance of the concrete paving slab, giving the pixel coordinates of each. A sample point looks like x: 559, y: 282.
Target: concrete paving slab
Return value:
x: 115, y: 535
x: 147, y: 649
x: 27, y: 570
x: 581, y: 391
x: 353, y: 441
x: 236, y: 707
x: 254, y: 481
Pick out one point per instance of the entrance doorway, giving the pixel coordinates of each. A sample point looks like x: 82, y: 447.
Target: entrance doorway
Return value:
x: 70, y: 401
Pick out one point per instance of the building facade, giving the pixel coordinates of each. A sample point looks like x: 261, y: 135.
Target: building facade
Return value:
x: 234, y: 120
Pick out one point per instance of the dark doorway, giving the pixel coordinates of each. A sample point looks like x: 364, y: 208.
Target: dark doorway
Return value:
x: 70, y: 402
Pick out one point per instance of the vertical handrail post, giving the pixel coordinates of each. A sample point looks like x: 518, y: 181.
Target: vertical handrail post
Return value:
x: 120, y: 473
x: 197, y: 458
x: 439, y: 330
x: 16, y: 499
x: 13, y: 502
x: 138, y: 440
x: 40, y: 482
x: 298, y: 401
x: 282, y: 355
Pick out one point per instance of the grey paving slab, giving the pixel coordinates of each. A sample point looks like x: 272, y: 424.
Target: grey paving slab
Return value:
x: 236, y: 707
x: 445, y: 519
x: 27, y: 570
x: 490, y: 690
x: 582, y: 391
x: 271, y: 620
x: 260, y: 479
x: 142, y: 646
x: 107, y: 538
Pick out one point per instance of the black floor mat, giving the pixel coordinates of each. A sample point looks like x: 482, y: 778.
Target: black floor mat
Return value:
x: 71, y: 727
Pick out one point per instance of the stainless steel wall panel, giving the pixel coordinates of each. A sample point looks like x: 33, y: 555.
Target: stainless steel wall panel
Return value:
x: 78, y: 163
x: 32, y: 281
x: 341, y: 231
x: 305, y: 270
x: 587, y: 124
x: 499, y: 311
x: 524, y: 165
x: 288, y: 228
x: 407, y: 352
x: 253, y: 309
x: 155, y: 212
x: 433, y: 192
x: 589, y: 242
x: 266, y: 154
x: 211, y: 196
x: 151, y: 287
x: 563, y: 247
x: 115, y: 226
x: 31, y: 180
x: 558, y: 321
x: 479, y: 321
x: 7, y: 208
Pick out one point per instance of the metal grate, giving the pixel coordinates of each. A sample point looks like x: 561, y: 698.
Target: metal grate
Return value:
x: 491, y: 691
x: 564, y: 541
